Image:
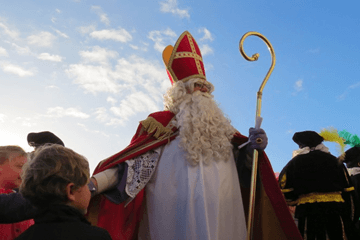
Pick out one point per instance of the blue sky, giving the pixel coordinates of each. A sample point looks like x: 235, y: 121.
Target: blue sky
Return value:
x: 89, y: 71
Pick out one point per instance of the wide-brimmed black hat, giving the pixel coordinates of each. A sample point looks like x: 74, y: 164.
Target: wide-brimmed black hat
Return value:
x: 41, y: 138
x: 307, y: 139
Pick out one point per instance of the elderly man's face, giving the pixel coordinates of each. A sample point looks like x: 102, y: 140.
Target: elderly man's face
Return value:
x: 200, y: 87
x: 10, y: 172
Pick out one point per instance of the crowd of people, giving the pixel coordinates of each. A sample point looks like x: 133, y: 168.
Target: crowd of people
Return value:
x: 185, y: 175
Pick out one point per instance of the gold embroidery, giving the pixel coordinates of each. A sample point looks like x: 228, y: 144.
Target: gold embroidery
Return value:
x: 320, y: 197
x: 187, y: 54
x: 283, y: 181
x: 152, y: 126
x: 287, y: 190
x: 194, y: 51
x: 349, y: 189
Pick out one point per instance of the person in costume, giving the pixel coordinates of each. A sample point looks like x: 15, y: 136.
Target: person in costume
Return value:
x: 55, y: 181
x: 352, y: 160
x: 12, y: 159
x: 317, y: 183
x: 180, y: 176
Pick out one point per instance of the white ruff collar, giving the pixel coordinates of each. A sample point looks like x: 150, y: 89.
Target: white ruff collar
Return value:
x: 354, y: 171
x: 306, y: 150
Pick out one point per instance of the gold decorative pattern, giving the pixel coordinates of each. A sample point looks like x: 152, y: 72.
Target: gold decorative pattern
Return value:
x: 194, y: 51
x: 287, y: 190
x: 175, y: 55
x: 283, y: 181
x: 152, y: 126
x: 320, y: 197
x: 187, y: 54
x: 349, y: 189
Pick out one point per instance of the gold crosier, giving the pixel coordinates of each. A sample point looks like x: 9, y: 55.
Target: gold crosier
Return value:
x: 257, y: 117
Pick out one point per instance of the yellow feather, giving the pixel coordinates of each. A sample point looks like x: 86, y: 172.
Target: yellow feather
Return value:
x: 331, y: 134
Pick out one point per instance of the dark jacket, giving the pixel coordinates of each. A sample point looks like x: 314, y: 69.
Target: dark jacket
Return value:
x: 62, y: 222
x: 15, y: 208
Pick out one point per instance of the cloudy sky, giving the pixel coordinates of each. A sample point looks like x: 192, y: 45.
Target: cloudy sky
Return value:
x: 89, y: 71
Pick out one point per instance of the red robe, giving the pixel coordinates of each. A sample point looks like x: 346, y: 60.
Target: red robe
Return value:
x: 272, y: 217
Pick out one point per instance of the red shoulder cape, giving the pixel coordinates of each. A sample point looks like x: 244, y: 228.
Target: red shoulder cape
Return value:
x: 272, y: 217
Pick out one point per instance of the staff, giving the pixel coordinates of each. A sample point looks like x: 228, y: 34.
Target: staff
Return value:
x: 258, y: 120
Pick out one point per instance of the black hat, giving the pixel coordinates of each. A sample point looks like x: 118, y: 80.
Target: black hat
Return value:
x: 352, y: 155
x: 41, y: 138
x: 307, y: 139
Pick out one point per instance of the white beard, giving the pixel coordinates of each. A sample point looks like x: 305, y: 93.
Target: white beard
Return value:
x: 205, y: 132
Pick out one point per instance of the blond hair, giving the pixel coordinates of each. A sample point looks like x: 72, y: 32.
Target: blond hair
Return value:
x: 51, y: 169
x: 9, y: 152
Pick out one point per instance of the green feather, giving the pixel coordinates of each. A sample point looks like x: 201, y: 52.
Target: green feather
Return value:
x: 350, y: 139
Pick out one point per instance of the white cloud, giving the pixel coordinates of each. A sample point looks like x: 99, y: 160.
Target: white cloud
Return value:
x: 22, y: 50
x: 2, y: 117
x: 87, y: 29
x: 59, y: 112
x: 103, y: 16
x: 103, y: 117
x: 356, y: 85
x: 207, y: 34
x: 93, y: 78
x: 347, y: 91
x: 120, y: 35
x: 11, y: 33
x: 159, y: 38
x: 98, y: 55
x: 17, y: 70
x: 298, y: 85
x: 111, y: 100
x: 43, y: 39
x: 48, y: 57
x: 53, y: 20
x: 101, y: 114
x: 206, y: 50
x: 92, y: 131
x: 138, y: 85
x: 52, y: 87
x: 128, y: 73
x: 134, y: 47
x: 3, y: 52
x: 170, y: 6
x: 135, y: 103
x: 61, y: 34
x: 58, y: 10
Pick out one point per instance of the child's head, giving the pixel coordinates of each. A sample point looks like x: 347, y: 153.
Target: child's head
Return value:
x: 56, y: 175
x: 12, y: 159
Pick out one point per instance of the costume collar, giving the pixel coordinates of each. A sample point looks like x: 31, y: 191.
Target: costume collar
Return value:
x: 306, y: 150
x: 354, y: 171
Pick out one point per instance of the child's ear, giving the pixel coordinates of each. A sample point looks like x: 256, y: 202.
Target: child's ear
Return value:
x: 70, y: 192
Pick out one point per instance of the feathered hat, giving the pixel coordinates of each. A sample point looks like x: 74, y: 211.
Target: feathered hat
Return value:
x: 184, y: 60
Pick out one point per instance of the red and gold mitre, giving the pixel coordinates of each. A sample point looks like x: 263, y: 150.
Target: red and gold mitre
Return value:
x: 184, y: 60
